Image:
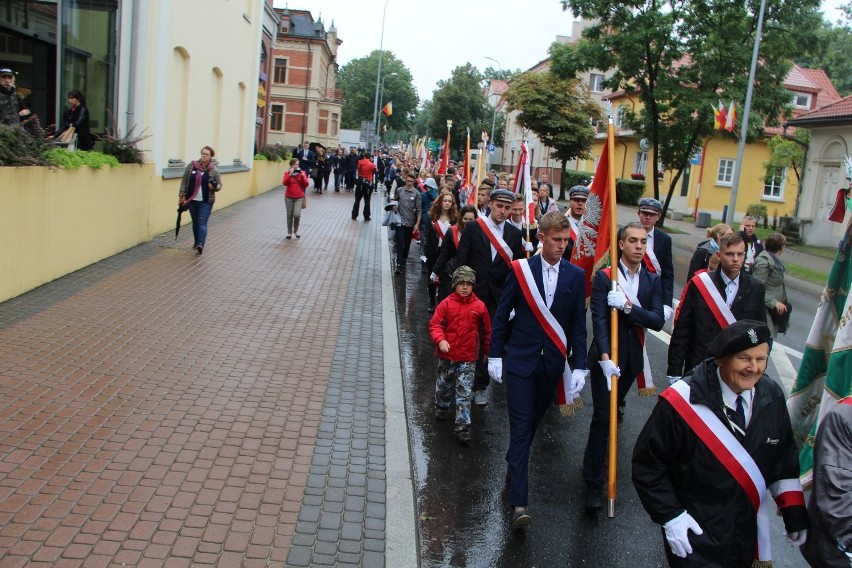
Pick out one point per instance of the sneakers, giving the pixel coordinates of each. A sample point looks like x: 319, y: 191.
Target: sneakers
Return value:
x: 480, y: 398
x: 463, y: 436
x: 441, y: 414
x: 520, y: 518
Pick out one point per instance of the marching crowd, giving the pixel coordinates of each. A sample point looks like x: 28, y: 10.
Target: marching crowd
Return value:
x: 508, y: 306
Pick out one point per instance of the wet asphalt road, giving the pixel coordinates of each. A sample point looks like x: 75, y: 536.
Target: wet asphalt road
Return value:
x: 462, y: 512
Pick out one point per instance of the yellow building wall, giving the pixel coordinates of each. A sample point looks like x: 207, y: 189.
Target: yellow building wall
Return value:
x: 54, y: 221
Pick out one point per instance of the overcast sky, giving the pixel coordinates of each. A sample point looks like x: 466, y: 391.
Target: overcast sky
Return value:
x: 432, y: 38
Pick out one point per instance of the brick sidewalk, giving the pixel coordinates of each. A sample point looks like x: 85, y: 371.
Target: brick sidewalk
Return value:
x: 164, y: 409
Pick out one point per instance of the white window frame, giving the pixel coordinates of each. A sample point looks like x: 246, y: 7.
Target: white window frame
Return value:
x: 775, y: 185
x: 596, y: 82
x: 725, y: 172
x: 640, y: 163
x: 804, y: 105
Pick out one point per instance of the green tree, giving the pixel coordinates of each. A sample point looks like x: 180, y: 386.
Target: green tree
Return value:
x: 831, y: 52
x: 357, y: 81
x: 681, y: 57
x: 500, y: 74
x: 557, y: 110
x: 462, y: 100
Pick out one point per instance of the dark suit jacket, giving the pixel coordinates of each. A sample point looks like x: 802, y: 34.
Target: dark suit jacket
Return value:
x: 649, y: 315
x: 525, y: 338
x: 663, y: 252
x: 696, y: 326
x: 307, y: 160
x: 475, y: 252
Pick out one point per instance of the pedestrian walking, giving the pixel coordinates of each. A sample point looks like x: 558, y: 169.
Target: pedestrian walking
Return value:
x: 658, y: 253
x: 547, y: 295
x: 754, y: 246
x: 321, y: 169
x: 442, y: 216
x: 295, y: 183
x: 351, y: 168
x: 717, y: 448
x: 639, y: 301
x: 711, y: 302
x: 446, y: 264
x: 705, y: 258
x: 366, y: 171
x: 460, y: 329
x: 201, y: 180
x: 488, y: 246
x: 769, y: 270
x: 409, y: 211
x: 337, y: 163
x: 577, y: 198
x: 76, y: 116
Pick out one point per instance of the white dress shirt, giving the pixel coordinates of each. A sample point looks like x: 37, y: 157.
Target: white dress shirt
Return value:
x: 729, y: 398
x: 498, y: 231
x: 731, y: 288
x: 549, y: 276
x: 629, y: 280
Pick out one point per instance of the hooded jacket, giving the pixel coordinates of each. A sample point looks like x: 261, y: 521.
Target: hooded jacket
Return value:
x: 461, y: 322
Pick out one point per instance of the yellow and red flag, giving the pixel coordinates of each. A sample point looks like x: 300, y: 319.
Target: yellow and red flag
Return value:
x: 387, y: 110
x: 731, y: 118
x: 445, y: 156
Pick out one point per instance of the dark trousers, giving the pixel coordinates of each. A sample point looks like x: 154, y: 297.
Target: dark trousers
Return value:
x: 362, y: 191
x: 527, y: 399
x: 402, y: 236
x: 350, y: 179
x: 481, y: 380
x: 595, y: 458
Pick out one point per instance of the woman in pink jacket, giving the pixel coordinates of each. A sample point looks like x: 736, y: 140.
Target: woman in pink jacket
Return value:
x: 295, y: 182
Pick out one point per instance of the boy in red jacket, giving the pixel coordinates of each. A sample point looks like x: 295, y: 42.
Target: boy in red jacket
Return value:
x: 460, y: 329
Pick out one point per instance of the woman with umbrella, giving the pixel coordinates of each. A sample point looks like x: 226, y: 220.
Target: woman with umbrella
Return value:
x: 201, y: 180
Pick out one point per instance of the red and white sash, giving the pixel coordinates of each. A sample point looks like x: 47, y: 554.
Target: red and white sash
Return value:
x: 438, y: 230
x: 644, y: 380
x: 574, y: 224
x: 651, y: 262
x: 713, y: 299
x: 497, y: 242
x: 456, y: 236
x: 725, y: 447
x: 549, y: 324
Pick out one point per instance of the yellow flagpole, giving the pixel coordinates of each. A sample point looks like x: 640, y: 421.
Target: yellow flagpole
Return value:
x: 613, y: 319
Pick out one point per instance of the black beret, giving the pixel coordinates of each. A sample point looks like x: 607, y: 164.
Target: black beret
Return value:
x: 739, y: 336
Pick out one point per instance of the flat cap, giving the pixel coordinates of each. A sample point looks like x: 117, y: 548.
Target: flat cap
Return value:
x: 502, y: 195
x: 739, y: 336
x: 650, y: 204
x: 6, y: 71
x: 578, y: 191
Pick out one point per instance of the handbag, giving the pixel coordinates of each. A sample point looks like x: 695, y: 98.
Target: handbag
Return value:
x: 66, y: 135
x: 781, y: 321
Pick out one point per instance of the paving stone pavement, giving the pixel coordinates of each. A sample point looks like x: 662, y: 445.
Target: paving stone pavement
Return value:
x: 165, y: 409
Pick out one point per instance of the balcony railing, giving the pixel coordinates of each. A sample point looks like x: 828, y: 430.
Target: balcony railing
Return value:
x: 334, y: 95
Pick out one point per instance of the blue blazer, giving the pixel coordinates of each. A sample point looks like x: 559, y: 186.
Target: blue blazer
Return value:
x: 525, y: 339
x: 663, y: 252
x: 650, y: 315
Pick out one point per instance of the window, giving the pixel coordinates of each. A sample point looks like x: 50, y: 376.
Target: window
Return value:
x: 596, y: 82
x: 640, y: 164
x: 284, y: 27
x: 276, y: 117
x: 280, y: 70
x: 802, y: 100
x: 725, y: 174
x: 773, y: 183
x: 335, y: 120
x: 619, y: 117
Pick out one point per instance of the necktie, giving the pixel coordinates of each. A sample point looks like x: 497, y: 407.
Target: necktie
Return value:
x: 738, y: 416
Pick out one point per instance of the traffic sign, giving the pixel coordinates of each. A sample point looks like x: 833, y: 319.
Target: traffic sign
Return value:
x: 491, y: 148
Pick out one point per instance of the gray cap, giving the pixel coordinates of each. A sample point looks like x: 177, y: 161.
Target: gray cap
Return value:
x: 578, y: 191
x: 739, y: 336
x: 502, y: 195
x: 6, y: 71
x: 650, y: 204
x: 464, y: 274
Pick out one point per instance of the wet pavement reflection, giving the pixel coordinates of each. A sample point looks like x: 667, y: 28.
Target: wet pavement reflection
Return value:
x: 462, y: 510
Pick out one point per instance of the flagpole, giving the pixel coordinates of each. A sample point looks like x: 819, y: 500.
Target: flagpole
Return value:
x: 613, y: 323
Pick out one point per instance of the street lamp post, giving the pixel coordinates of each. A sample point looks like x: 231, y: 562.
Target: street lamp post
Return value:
x: 494, y: 117
x: 378, y: 118
x: 379, y: 72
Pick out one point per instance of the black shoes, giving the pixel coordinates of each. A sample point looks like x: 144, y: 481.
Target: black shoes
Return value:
x: 441, y: 414
x: 594, y: 499
x: 199, y: 249
x: 520, y: 518
x: 463, y: 436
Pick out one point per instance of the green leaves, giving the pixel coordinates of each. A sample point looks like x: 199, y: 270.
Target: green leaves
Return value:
x: 357, y: 81
x: 460, y: 99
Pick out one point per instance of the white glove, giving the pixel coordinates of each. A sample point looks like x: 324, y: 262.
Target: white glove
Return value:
x: 540, y: 245
x: 528, y: 246
x: 667, y: 312
x: 672, y: 379
x: 616, y: 299
x: 609, y: 369
x: 797, y: 538
x: 512, y: 314
x: 495, y: 369
x: 422, y: 258
x: 677, y: 531
x: 578, y: 381
x: 433, y: 277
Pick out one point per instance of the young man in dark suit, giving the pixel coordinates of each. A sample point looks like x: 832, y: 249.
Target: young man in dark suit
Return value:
x: 658, y: 255
x: 489, y: 245
x: 645, y: 310
x: 713, y: 300
x: 547, y: 294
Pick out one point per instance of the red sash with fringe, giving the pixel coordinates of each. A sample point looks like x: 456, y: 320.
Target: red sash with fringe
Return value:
x: 497, y: 242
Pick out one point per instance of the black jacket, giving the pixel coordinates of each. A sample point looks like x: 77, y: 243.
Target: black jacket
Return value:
x: 475, y: 252
x: 700, y: 259
x: 695, y: 326
x: 674, y: 471
x: 337, y: 163
x: 433, y: 246
x: 351, y: 162
x: 663, y: 252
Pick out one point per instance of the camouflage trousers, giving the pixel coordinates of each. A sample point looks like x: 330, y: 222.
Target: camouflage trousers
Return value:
x: 461, y: 374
